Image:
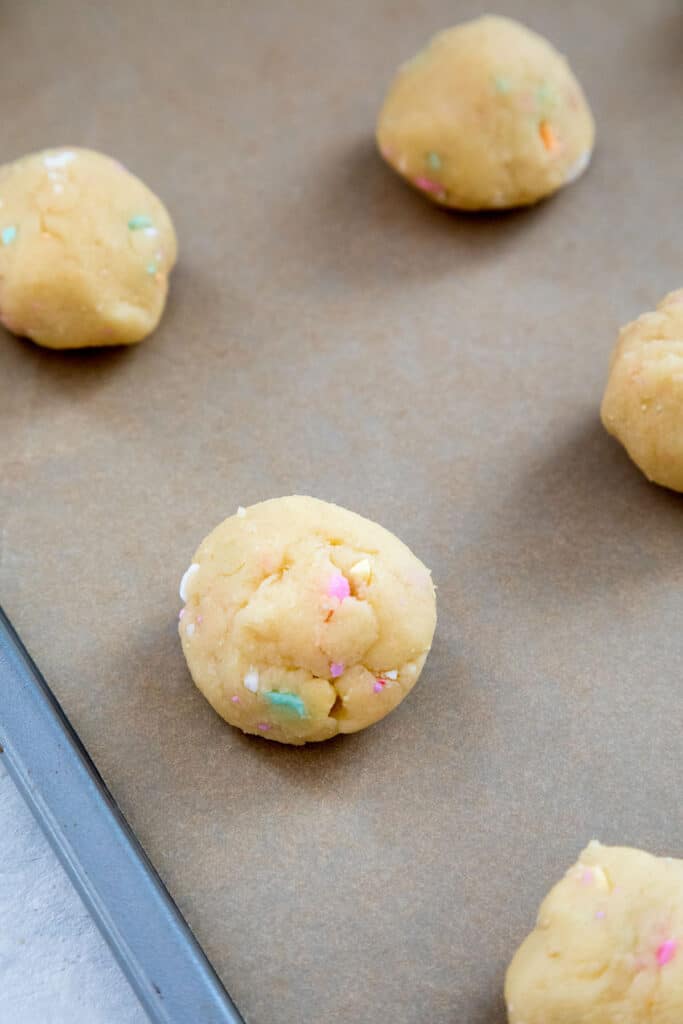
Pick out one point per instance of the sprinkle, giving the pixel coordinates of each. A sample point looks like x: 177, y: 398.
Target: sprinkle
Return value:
x: 666, y: 952
x: 151, y: 268
x: 186, y: 579
x: 587, y: 876
x: 59, y: 159
x: 336, y: 669
x: 140, y: 221
x: 548, y: 136
x: 251, y: 680
x: 338, y: 587
x: 8, y: 234
x: 235, y: 699
x: 578, y: 167
x: 264, y: 726
x: 190, y: 629
x: 151, y: 232
x: 290, y: 701
x: 361, y: 571
x: 427, y: 185
x: 434, y: 161
x: 600, y: 915
x: 502, y: 84
x: 181, y: 613
x: 379, y: 685
x: 241, y: 511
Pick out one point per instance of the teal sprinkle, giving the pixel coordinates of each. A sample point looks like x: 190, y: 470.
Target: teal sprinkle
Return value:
x: 434, y: 161
x: 151, y: 268
x: 544, y: 93
x: 290, y: 701
x: 502, y: 85
x: 8, y: 234
x: 139, y: 222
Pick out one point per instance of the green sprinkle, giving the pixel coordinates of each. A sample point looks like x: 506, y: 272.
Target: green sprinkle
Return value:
x: 503, y: 85
x: 434, y: 161
x: 139, y: 222
x: 290, y: 701
x: 152, y: 268
x: 8, y: 234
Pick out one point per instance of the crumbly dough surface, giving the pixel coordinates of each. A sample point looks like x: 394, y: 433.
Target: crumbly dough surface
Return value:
x: 607, y: 947
x: 643, y: 402
x: 487, y: 116
x: 303, y: 620
x: 85, y: 250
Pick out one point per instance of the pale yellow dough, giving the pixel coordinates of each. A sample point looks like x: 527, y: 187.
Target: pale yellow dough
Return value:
x: 487, y: 116
x: 304, y: 620
x: 85, y: 250
x: 643, y: 402
x: 608, y: 945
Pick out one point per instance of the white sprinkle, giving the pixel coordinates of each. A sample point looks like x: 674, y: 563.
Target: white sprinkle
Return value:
x: 361, y: 571
x: 151, y: 231
x: 186, y: 579
x: 59, y: 159
x: 241, y: 512
x: 391, y: 675
x: 578, y: 167
x: 190, y: 629
x: 251, y: 680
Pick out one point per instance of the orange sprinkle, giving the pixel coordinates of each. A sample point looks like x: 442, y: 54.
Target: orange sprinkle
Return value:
x: 550, y: 139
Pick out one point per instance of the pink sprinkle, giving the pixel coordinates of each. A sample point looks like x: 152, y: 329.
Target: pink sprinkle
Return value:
x: 264, y: 726
x: 336, y: 669
x: 587, y: 877
x: 338, y: 587
x: 600, y: 914
x: 181, y: 613
x: 427, y: 185
x: 666, y: 952
x: 199, y: 620
x: 235, y: 699
x: 379, y: 685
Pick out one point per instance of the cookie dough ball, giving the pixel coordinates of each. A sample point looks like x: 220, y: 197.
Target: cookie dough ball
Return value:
x: 608, y: 945
x: 643, y: 402
x: 303, y: 620
x: 488, y: 116
x: 85, y: 250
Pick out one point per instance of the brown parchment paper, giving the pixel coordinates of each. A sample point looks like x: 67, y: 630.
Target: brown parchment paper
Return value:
x: 331, y: 333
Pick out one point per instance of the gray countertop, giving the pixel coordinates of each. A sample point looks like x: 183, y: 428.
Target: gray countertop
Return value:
x: 54, y: 966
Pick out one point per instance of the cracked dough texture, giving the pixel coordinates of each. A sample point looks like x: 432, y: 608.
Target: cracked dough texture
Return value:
x: 267, y: 605
x: 643, y: 402
x: 85, y: 250
x: 487, y: 116
x: 608, y: 945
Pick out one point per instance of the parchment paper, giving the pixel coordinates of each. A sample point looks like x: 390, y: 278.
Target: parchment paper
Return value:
x: 329, y: 332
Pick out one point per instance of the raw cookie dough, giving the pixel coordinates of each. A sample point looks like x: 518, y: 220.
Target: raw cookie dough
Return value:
x: 85, y: 250
x: 608, y: 945
x: 488, y: 115
x: 643, y: 403
x: 304, y: 620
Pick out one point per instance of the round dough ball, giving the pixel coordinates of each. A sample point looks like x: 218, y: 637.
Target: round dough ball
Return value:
x: 643, y: 402
x: 608, y: 945
x: 487, y: 116
x: 85, y: 250
x: 304, y: 620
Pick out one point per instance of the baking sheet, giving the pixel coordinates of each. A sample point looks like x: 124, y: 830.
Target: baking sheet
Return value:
x: 329, y: 332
